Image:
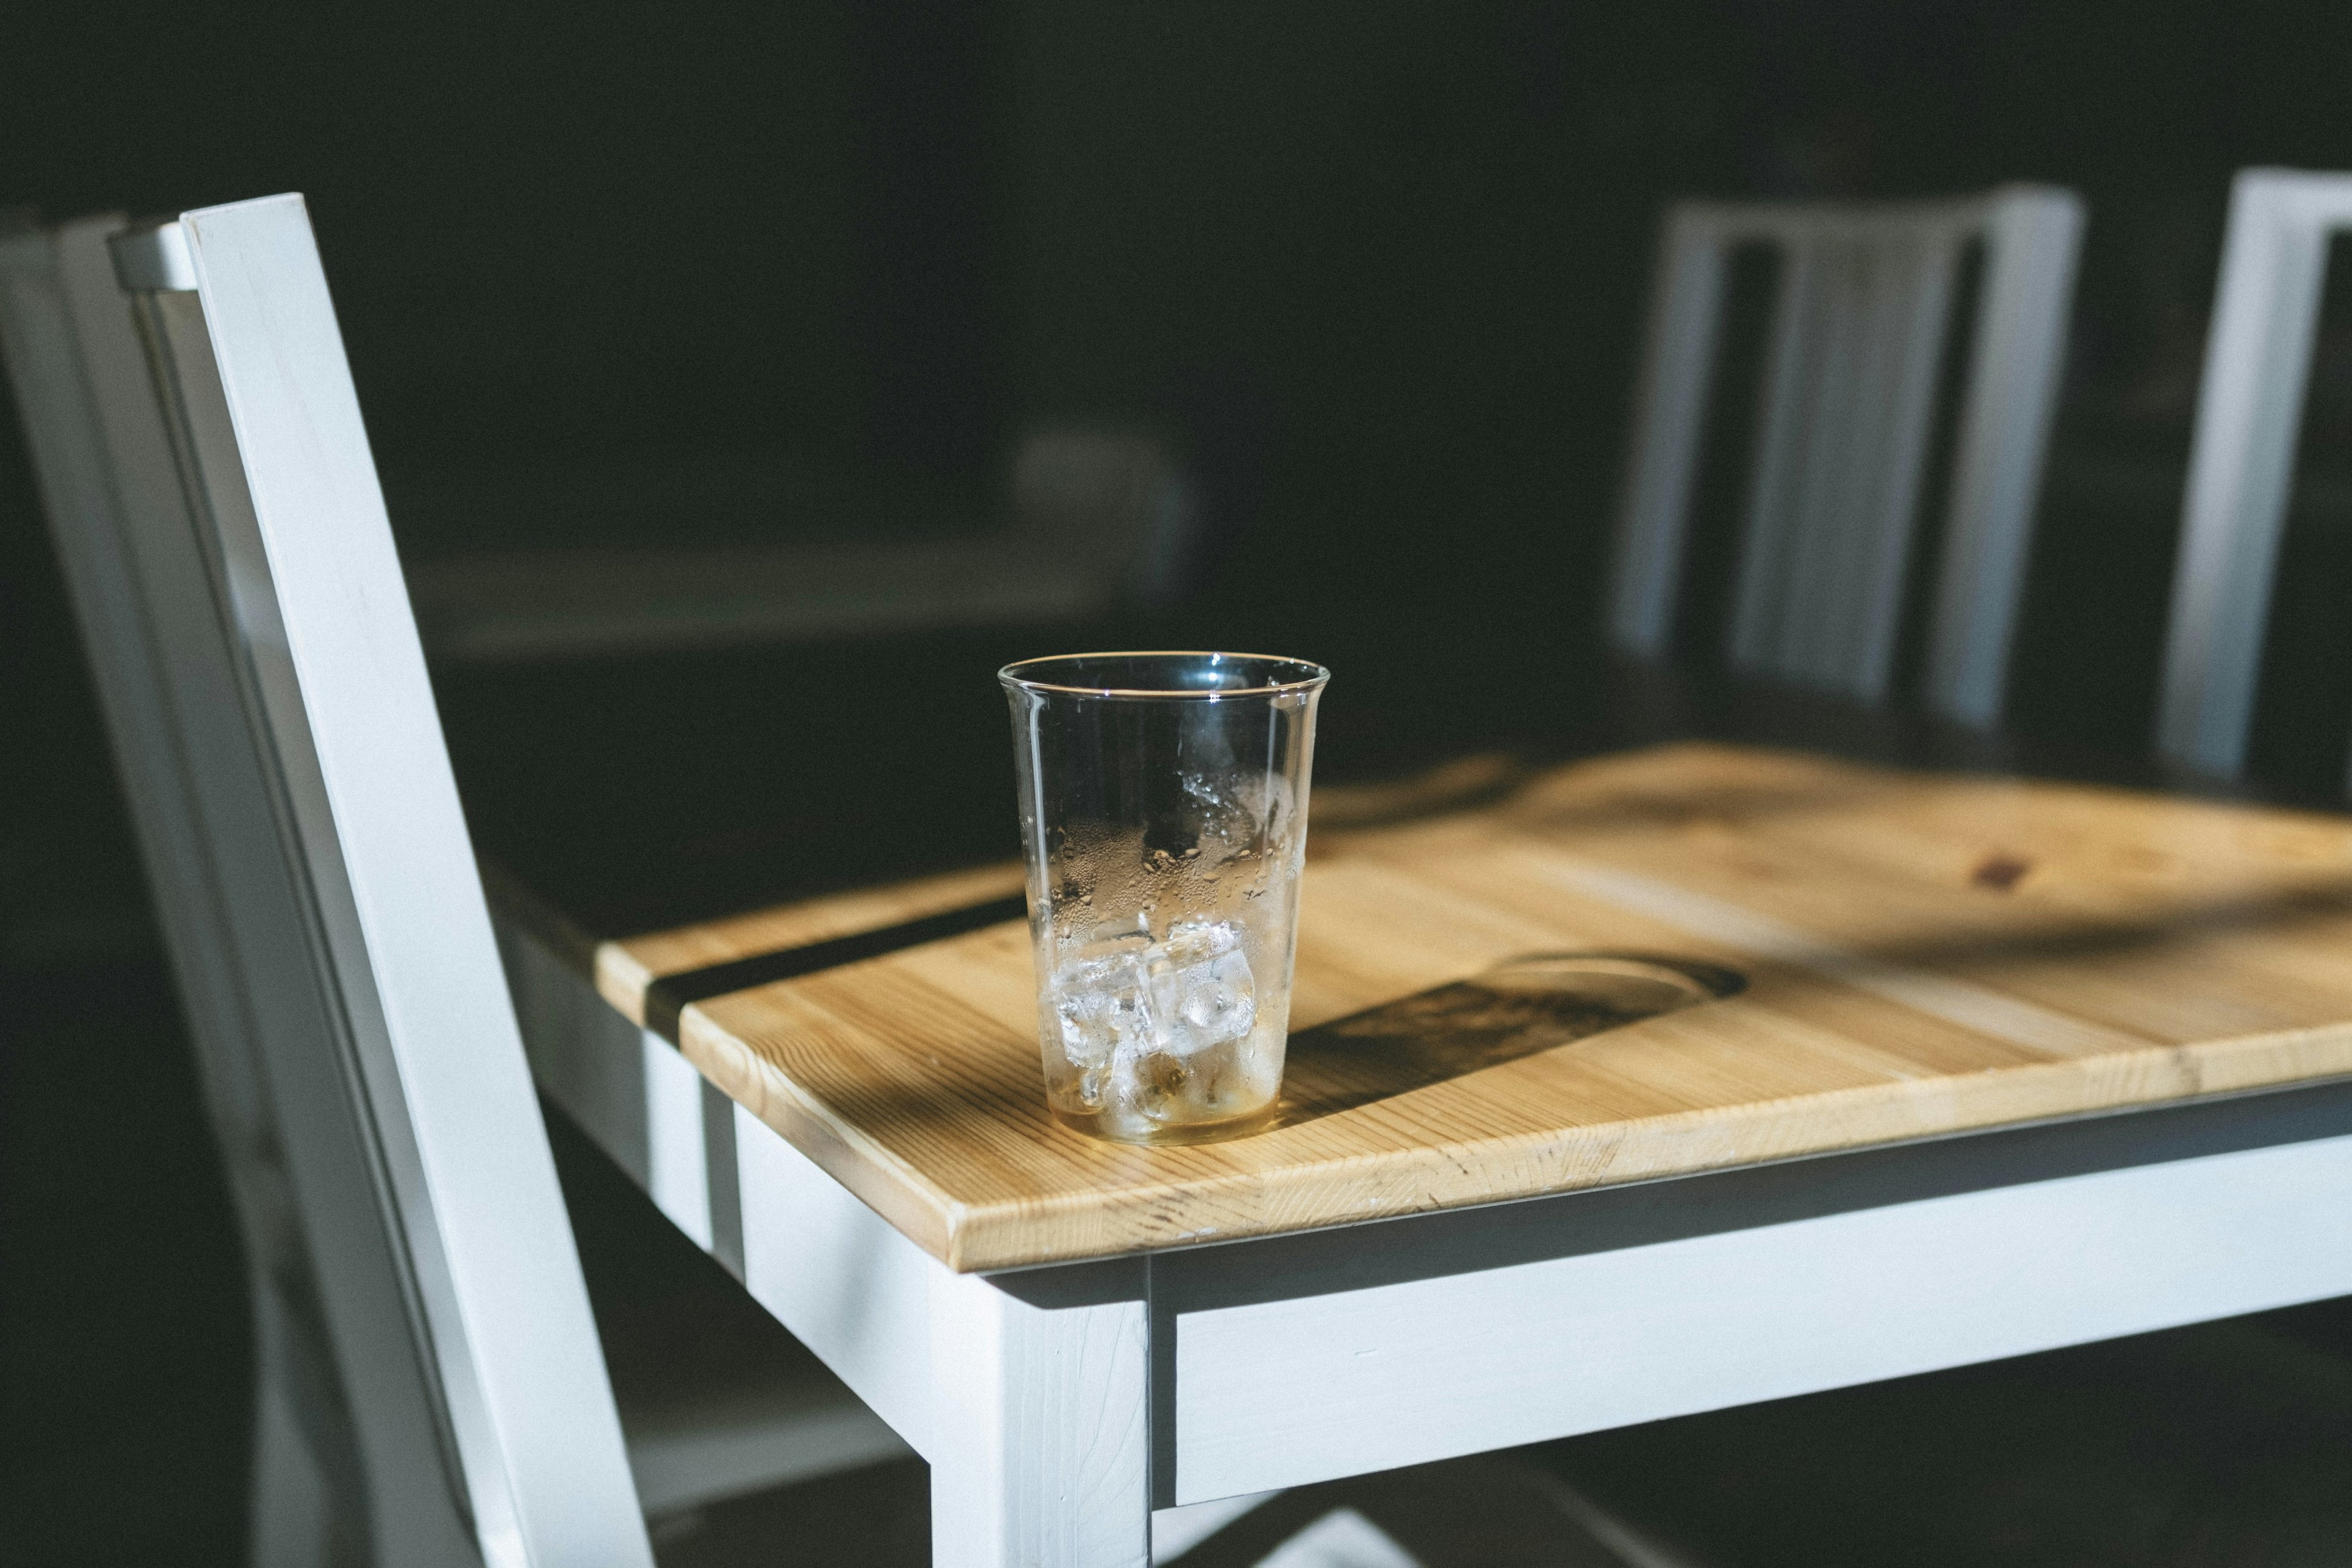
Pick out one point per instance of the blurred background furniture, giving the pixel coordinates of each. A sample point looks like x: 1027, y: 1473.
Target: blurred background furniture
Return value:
x: 1844, y: 450
x: 2250, y: 407
x: 1095, y: 516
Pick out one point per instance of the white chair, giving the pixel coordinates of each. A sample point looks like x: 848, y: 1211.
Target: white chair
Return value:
x: 2241, y: 459
x: 1857, y: 344
x: 433, y: 1386
x: 350, y: 1432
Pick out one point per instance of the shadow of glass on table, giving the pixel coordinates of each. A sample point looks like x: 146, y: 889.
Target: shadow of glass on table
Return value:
x: 1518, y: 1007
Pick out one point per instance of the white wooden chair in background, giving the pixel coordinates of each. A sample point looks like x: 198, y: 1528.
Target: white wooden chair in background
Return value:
x: 1857, y: 341
x: 2258, y: 354
x: 432, y: 1386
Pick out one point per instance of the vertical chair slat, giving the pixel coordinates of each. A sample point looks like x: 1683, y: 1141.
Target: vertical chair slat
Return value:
x: 1807, y: 548
x: 1778, y: 475
x: 2031, y: 237
x: 2241, y: 459
x: 1845, y: 414
x: 1672, y: 413
x: 1919, y: 322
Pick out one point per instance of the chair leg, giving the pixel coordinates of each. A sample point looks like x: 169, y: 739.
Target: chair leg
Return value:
x: 1040, y: 1445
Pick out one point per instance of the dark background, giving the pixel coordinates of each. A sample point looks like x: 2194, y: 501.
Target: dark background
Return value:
x: 1376, y: 270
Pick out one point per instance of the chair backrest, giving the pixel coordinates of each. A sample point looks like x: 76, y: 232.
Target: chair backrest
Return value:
x: 2241, y: 459
x: 1864, y: 302
x: 337, y: 1344
x: 73, y: 467
x: 374, y: 920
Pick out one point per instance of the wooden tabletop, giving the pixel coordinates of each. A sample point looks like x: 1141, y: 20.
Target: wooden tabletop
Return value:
x: 1921, y: 953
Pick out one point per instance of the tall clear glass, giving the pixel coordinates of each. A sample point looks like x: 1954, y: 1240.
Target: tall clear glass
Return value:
x: 1163, y: 815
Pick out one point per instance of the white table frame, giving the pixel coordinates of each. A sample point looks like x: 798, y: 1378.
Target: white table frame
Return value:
x: 1059, y: 1406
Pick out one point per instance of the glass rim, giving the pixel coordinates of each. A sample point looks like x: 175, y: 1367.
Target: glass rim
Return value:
x: 1309, y: 677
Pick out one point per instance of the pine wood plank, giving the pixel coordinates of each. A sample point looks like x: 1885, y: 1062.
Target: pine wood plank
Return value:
x: 1924, y: 953
x: 627, y: 966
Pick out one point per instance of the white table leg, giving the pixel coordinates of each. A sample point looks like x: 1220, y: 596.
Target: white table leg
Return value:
x: 1040, y: 1421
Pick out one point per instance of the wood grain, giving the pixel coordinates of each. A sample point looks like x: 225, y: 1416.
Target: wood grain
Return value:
x: 1924, y: 953
x: 626, y: 967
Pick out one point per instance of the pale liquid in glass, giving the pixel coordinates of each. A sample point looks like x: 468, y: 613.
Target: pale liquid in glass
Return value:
x: 1167, y: 1021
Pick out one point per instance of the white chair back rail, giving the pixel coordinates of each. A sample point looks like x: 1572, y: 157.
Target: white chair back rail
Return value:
x: 1857, y: 341
x: 343, y: 1378
x: 2241, y: 459
x: 255, y: 390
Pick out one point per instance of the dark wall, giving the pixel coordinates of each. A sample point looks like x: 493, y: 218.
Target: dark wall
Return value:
x: 1331, y: 243
x: 1377, y: 268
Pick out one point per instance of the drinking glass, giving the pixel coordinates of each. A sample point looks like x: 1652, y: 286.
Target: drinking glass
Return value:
x: 1163, y: 818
